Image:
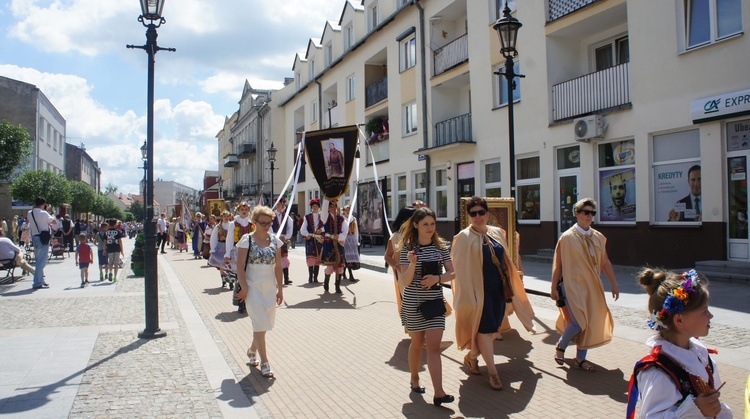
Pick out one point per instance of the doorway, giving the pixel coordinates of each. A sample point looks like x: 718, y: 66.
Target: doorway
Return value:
x: 568, y: 167
x: 738, y: 245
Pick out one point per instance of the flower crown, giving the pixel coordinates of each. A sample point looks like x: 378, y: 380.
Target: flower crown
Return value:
x: 676, y: 300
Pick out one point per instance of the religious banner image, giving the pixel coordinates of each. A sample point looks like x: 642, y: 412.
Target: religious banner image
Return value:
x: 617, y: 195
x: 330, y: 154
x: 370, y: 209
x: 215, y: 207
x: 677, y: 192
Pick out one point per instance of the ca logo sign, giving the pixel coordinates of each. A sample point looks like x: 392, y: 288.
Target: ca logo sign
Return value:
x: 712, y: 106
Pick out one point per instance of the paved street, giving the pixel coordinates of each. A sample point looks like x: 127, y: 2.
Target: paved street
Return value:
x: 71, y: 352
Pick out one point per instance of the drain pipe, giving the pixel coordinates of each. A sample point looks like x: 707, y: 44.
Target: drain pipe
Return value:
x: 425, y: 139
x: 320, y: 104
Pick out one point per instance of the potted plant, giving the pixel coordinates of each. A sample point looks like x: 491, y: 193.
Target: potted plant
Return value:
x: 136, y: 257
x: 377, y: 128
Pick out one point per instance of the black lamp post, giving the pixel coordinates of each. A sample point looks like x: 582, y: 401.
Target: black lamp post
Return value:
x: 507, y: 29
x: 144, y: 157
x: 151, y: 11
x: 272, y: 159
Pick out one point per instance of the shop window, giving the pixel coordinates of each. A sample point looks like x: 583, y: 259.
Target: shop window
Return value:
x: 677, y: 177
x: 400, y: 192
x: 420, y: 191
x: 617, y: 181
x: 528, y: 188
x: 492, y: 183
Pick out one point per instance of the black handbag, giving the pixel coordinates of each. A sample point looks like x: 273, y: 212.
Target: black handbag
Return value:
x: 236, y: 301
x: 44, y: 236
x: 432, y: 308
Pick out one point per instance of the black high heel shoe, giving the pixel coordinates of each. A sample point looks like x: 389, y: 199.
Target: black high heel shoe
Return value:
x: 445, y: 399
x: 417, y: 389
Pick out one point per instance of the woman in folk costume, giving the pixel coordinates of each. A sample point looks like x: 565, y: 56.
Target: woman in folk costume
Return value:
x: 351, y: 246
x: 332, y: 253
x: 312, y: 227
x: 199, y: 229
x: 486, y: 280
x: 580, y: 257
x: 283, y: 233
x: 171, y: 230
x: 207, y: 237
x: 392, y: 250
x: 242, y: 226
x: 180, y: 236
x: 222, y: 232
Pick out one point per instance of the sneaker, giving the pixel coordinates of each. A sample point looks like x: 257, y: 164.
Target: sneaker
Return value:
x: 83, y: 284
x: 101, y: 277
x: 110, y: 277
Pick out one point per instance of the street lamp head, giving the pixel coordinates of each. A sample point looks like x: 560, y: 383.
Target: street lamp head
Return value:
x: 151, y: 9
x: 271, y: 153
x: 507, y: 30
x: 144, y: 150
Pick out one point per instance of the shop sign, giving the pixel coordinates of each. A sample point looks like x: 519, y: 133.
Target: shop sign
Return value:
x: 721, y: 106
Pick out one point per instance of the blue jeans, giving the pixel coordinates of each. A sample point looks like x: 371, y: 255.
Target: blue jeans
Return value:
x: 41, y: 255
x: 573, y: 329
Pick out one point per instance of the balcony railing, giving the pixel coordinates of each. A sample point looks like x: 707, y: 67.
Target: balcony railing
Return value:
x: 451, y: 54
x: 454, y: 130
x: 590, y: 93
x: 380, y: 152
x: 231, y: 160
x: 560, y: 8
x: 376, y: 92
x: 334, y: 117
x: 246, y: 150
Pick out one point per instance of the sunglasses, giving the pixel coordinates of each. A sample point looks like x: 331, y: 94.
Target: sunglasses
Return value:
x: 587, y: 212
x: 475, y: 213
x: 266, y: 224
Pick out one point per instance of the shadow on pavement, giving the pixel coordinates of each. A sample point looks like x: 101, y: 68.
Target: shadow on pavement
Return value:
x: 227, y: 387
x: 215, y: 291
x: 260, y: 384
x: 604, y: 382
x: 326, y: 301
x: 230, y: 316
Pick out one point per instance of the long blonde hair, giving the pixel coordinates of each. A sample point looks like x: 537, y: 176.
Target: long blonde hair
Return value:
x: 410, y: 234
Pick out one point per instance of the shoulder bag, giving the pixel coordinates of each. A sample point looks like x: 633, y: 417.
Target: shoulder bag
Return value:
x: 45, y: 235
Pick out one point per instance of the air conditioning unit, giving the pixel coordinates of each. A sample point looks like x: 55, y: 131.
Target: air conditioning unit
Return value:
x: 589, y: 128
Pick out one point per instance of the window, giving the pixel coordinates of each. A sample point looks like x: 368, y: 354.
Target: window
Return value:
x: 677, y: 177
x: 313, y: 111
x: 408, y: 55
x: 612, y: 53
x: 708, y: 21
x: 492, y: 184
x: 312, y: 69
x: 499, y: 6
x: 410, y: 118
x: 297, y: 81
x: 501, y: 86
x: 528, y: 188
x: 348, y: 37
x: 441, y: 193
x: 617, y: 181
x: 388, y: 197
x: 400, y: 192
x: 351, y: 88
x: 328, y: 52
x: 420, y: 187
x: 372, y: 17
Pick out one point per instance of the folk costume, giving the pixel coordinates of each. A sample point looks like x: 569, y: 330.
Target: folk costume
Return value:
x: 312, y: 227
x: 242, y: 226
x: 351, y: 249
x: 332, y: 255
x: 206, y: 250
x: 286, y: 231
x: 222, y: 232
x: 479, y: 294
x: 199, y: 228
x: 581, y: 252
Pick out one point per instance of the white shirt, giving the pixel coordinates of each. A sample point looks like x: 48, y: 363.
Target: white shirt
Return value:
x: 305, y: 229
x: 344, y: 225
x: 161, y: 225
x: 43, y: 221
x: 8, y: 249
x: 286, y: 229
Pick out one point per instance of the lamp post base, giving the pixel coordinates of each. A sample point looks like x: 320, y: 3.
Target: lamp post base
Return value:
x: 152, y: 334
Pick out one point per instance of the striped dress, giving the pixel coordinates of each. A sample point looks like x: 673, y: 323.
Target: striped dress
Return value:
x: 413, y: 295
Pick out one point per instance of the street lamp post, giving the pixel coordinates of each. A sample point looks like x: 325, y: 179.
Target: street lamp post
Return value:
x: 507, y: 29
x: 152, y: 11
x: 272, y: 159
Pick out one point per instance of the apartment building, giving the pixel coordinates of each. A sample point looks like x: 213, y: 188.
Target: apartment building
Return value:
x: 623, y: 101
x: 80, y: 166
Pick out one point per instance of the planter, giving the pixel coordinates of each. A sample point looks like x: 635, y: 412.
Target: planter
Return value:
x: 138, y: 271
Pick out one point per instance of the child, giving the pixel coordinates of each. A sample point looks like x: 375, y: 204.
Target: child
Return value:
x: 84, y: 257
x: 685, y: 381
x: 101, y: 246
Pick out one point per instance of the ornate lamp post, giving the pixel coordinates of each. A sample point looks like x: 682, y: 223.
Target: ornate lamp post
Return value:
x: 150, y: 10
x: 272, y: 159
x: 507, y: 29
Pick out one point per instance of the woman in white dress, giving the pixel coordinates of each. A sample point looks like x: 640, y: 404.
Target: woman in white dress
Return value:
x: 260, y: 282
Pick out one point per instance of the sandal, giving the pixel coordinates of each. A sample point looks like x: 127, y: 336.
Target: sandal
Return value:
x: 495, y: 383
x: 253, y: 358
x: 560, y: 359
x: 588, y: 368
x: 472, y: 364
x: 265, y: 370
x: 417, y: 389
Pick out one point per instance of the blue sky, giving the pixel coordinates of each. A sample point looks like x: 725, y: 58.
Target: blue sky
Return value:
x: 74, y: 51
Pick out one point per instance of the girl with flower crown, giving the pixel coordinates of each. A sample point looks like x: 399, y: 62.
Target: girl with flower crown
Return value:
x: 677, y: 379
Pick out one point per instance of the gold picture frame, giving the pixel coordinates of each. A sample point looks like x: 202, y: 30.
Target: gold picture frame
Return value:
x: 502, y: 213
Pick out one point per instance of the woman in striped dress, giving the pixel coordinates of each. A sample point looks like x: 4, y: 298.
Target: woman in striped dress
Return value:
x: 423, y: 255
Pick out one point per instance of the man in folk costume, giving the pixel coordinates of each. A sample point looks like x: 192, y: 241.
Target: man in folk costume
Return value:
x: 283, y: 233
x: 336, y: 229
x: 311, y: 225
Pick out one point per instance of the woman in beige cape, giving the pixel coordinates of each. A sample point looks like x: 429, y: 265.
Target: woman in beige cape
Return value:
x: 477, y: 325
x: 392, y: 253
x: 580, y: 256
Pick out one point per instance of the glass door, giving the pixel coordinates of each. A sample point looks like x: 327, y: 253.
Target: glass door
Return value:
x: 738, y: 246
x: 567, y: 196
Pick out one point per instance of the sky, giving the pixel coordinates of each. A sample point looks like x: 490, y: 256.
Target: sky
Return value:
x: 74, y: 51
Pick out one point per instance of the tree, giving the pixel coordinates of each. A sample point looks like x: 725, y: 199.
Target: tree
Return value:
x: 129, y: 216
x: 137, y: 209
x: 110, y: 188
x: 107, y: 208
x: 33, y: 183
x: 15, y: 146
x: 82, y: 196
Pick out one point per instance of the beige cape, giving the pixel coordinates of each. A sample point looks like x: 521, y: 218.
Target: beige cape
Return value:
x: 583, y: 288
x: 468, y: 286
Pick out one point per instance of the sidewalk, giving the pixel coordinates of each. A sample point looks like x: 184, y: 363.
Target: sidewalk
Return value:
x: 71, y: 352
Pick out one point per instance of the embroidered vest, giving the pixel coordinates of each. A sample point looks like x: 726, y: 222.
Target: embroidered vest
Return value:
x: 311, y: 227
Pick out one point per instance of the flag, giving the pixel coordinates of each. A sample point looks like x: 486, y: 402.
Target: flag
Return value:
x: 330, y: 154
x: 186, y: 218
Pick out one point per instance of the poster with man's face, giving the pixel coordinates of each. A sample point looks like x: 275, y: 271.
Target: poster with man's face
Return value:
x: 617, y: 195
x: 677, y: 187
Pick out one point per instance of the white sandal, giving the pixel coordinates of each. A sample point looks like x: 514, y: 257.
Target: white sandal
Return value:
x: 265, y: 370
x: 253, y: 358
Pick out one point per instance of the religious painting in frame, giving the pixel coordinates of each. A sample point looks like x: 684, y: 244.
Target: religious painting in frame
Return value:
x: 502, y: 214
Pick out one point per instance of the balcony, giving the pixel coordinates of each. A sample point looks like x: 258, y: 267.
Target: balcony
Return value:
x: 246, y: 150
x: 560, y: 8
x: 451, y: 54
x: 454, y: 130
x: 376, y: 92
x: 593, y: 92
x: 331, y: 120
x: 231, y: 160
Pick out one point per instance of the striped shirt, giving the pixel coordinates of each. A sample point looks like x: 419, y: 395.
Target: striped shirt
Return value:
x: 413, y: 295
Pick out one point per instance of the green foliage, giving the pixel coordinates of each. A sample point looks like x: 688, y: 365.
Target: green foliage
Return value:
x: 137, y: 209
x: 107, y: 208
x: 82, y: 196
x: 375, y: 125
x: 129, y: 216
x: 110, y: 188
x: 15, y: 146
x: 33, y: 183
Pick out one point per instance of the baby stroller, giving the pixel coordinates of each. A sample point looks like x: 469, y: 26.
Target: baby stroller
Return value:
x: 58, y: 248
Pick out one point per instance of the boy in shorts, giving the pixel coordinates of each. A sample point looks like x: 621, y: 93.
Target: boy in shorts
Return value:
x: 84, y: 257
x: 101, y: 246
x: 114, y: 250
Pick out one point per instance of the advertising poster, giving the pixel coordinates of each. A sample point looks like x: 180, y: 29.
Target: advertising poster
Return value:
x: 617, y: 194
x: 370, y: 209
x: 675, y: 191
